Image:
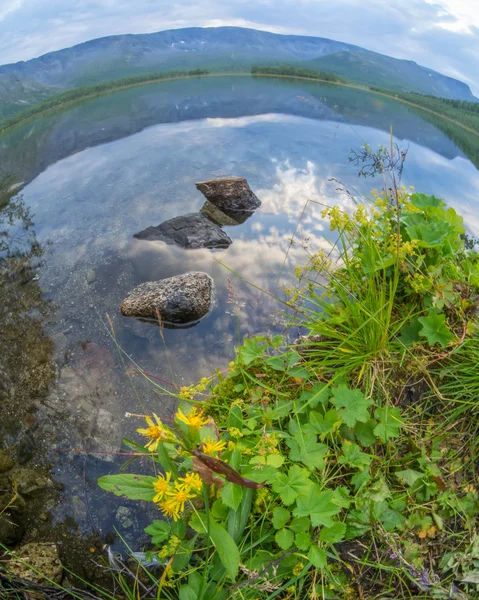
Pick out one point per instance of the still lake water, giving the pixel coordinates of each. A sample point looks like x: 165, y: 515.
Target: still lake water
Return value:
x: 110, y: 167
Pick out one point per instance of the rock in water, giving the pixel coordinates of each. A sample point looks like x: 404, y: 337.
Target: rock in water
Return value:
x: 194, y: 230
x: 179, y: 300
x: 224, y: 218
x: 229, y: 194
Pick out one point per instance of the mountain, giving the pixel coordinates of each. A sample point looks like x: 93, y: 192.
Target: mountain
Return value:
x: 223, y: 48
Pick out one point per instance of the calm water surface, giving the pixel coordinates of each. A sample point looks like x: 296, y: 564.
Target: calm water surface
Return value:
x: 106, y: 169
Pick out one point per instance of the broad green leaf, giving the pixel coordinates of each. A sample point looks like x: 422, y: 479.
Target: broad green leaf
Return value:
x: 159, y: 531
x: 318, y: 394
x: 317, y: 557
x: 226, y: 548
x: 284, y: 538
x: 353, y: 456
x: 392, y: 519
x: 134, y: 487
x: 187, y: 593
x: 251, y: 350
x: 235, y: 418
x: 267, y: 474
x: 390, y: 422
x: 410, y: 332
x: 303, y: 540
x: 435, y: 330
x: 341, y: 496
x: 231, y: 495
x: 424, y: 201
x: 275, y: 460
x: 183, y: 554
x: 360, y: 479
x: 379, y: 490
x: 305, y: 449
x: 323, y: 425
x: 357, y: 523
x: 352, y: 404
x: 300, y: 524
x: 290, y: 486
x: 318, y: 506
x: 284, y: 362
x: 280, y: 517
x: 333, y: 534
x: 364, y: 432
x: 409, y: 476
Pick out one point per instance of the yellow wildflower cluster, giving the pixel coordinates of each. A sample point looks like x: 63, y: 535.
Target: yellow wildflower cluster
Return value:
x: 171, y: 497
x: 261, y: 500
x: 339, y: 220
x: 298, y: 567
x: 194, y: 418
x: 188, y: 392
x: 170, y: 547
x: 156, y: 432
x: 235, y: 432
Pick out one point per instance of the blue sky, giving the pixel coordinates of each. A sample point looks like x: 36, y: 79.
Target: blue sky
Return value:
x: 440, y: 34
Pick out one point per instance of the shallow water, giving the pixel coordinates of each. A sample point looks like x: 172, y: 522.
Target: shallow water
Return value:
x: 100, y: 172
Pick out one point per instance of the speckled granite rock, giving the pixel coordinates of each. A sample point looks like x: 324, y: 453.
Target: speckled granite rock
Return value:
x: 180, y: 299
x: 42, y: 558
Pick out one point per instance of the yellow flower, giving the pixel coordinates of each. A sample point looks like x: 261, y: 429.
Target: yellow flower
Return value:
x: 194, y: 418
x: 191, y: 481
x: 161, y: 486
x: 235, y: 432
x: 156, y: 432
x: 212, y: 446
x: 170, y: 508
x: 175, y: 501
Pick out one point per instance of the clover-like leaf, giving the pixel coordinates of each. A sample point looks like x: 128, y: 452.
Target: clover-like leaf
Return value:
x: 333, y: 534
x: 353, y: 456
x: 390, y: 422
x: 435, y: 330
x: 305, y: 449
x: 317, y: 557
x: 290, y: 486
x: 352, y: 404
x: 280, y: 517
x: 318, y: 506
x: 284, y: 538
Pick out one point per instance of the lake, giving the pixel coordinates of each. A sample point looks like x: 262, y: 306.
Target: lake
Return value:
x: 101, y: 171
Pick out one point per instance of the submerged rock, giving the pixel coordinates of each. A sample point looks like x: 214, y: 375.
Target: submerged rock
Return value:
x: 39, y: 563
x: 180, y: 299
x: 29, y: 481
x: 194, y: 230
x: 11, y: 529
x: 229, y: 194
x: 224, y: 218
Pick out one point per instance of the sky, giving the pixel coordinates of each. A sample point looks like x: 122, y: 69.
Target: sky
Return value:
x: 439, y: 34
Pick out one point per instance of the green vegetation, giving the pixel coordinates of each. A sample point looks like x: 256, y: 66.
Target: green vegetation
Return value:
x: 292, y: 71
x: 90, y: 91
x: 341, y: 465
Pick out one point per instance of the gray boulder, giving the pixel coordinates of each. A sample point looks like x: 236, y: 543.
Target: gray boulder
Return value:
x: 224, y: 218
x: 229, y: 194
x: 179, y: 300
x: 194, y: 230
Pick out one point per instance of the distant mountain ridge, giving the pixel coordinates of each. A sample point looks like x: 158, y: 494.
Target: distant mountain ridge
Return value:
x: 222, y: 48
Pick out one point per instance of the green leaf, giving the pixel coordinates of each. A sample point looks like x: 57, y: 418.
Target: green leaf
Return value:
x: 424, y: 201
x: 364, y: 432
x: 183, y: 554
x: 187, y: 593
x: 280, y: 517
x: 267, y: 474
x: 284, y: 538
x: 159, y: 531
x: 318, y: 394
x: 226, y: 548
x: 275, y: 460
x: 353, y: 404
x: 318, y: 506
x: 333, y: 534
x: 231, y: 495
x: 353, y: 456
x: 235, y: 418
x: 435, y: 330
x: 390, y: 422
x: 251, y: 350
x: 317, y: 557
x: 323, y: 425
x: 360, y: 479
x: 134, y: 487
x: 290, y: 486
x: 305, y: 449
x: 303, y: 540
x: 300, y: 524
x: 284, y: 362
x: 379, y: 490
x: 341, y: 496
x: 409, y: 476
x: 392, y: 519
x: 410, y: 332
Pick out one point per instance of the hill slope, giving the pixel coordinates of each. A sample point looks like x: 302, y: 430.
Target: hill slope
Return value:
x: 224, y: 48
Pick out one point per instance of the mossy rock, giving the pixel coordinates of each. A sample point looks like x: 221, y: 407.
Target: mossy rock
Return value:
x: 35, y: 562
x: 11, y: 530
x: 29, y: 481
x: 6, y: 461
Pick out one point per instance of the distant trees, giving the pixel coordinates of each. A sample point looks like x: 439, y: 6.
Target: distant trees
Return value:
x: 294, y: 71
x: 94, y: 90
